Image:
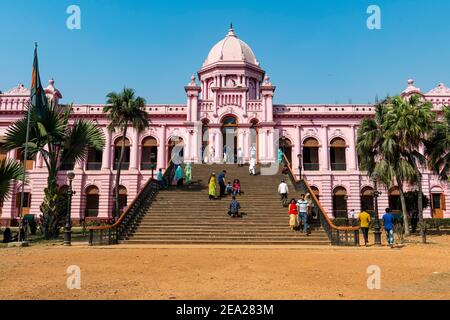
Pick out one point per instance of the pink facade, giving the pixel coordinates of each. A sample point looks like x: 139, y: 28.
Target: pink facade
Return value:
x: 233, y: 95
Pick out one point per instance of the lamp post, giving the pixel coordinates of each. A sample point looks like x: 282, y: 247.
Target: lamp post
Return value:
x: 376, y: 194
x: 68, y: 224
x: 299, y: 156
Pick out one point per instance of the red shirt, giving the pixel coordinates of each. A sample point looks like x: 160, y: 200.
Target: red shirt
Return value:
x: 293, y: 209
x: 236, y: 186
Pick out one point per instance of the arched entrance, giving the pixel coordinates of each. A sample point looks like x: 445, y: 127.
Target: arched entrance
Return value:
x: 205, y: 141
x: 176, y: 150
x: 254, y: 140
x: 149, y: 155
x: 367, y: 200
x: 438, y: 205
x: 311, y: 154
x: 286, y: 146
x: 340, y: 202
x: 229, y: 139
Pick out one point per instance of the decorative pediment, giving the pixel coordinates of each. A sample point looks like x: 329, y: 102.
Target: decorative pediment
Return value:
x: 20, y: 90
x: 440, y: 90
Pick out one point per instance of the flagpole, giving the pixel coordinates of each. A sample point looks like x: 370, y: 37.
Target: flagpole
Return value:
x: 25, y: 158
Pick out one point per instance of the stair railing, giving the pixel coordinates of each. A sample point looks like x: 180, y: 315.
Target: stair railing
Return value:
x: 338, y: 236
x: 127, y: 223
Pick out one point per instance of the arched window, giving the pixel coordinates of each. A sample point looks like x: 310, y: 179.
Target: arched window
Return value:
x: 367, y: 201
x: 316, y: 191
x: 123, y: 198
x: 394, y: 199
x: 311, y: 155
x: 92, y: 202
x: 94, y: 159
x: 340, y: 202
x: 118, y: 149
x: 149, y: 156
x: 337, y: 155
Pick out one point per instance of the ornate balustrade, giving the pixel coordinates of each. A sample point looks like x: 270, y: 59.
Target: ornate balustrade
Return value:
x: 339, y: 236
x: 126, y: 225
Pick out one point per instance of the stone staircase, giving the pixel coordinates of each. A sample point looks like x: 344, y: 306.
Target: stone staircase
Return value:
x: 186, y: 216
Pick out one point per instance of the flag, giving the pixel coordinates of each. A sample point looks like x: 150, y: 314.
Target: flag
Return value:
x: 38, y: 98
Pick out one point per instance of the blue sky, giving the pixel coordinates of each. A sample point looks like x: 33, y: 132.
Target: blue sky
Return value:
x: 314, y: 51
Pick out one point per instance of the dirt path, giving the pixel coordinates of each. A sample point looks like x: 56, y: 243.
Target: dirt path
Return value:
x: 413, y: 272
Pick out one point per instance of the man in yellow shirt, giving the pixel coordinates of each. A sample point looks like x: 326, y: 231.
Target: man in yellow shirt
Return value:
x: 364, y: 222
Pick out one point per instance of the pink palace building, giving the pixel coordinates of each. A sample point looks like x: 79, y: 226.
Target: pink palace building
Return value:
x: 232, y: 98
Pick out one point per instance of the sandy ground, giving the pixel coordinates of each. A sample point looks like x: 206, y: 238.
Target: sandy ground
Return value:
x: 412, y: 272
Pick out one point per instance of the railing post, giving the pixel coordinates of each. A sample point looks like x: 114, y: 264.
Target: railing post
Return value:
x: 338, y: 238
x: 357, y: 238
x: 91, y: 237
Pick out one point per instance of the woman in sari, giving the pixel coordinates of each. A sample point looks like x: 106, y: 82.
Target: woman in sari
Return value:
x: 212, y: 187
x: 188, y: 173
x: 179, y: 176
x: 293, y: 214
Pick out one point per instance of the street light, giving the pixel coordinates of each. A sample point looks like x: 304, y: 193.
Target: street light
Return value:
x: 68, y: 224
x: 299, y: 156
x: 376, y: 194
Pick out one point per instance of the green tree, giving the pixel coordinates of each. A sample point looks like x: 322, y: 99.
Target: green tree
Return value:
x: 437, y: 147
x: 9, y: 170
x: 124, y: 110
x: 390, y: 144
x: 57, y: 141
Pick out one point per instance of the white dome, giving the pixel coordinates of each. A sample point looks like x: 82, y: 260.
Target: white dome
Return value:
x: 231, y: 49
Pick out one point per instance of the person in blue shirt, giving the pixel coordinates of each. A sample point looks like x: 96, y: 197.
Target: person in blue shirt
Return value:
x: 234, y: 207
x: 222, y: 183
x: 388, y: 220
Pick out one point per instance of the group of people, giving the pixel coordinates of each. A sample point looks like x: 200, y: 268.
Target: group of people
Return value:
x: 364, y: 220
x: 233, y: 189
x: 8, y: 236
x: 300, y: 213
x: 226, y: 188
x: 177, y: 176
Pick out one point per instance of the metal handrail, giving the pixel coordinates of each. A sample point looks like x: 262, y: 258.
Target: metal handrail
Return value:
x: 124, y: 227
x: 340, y: 236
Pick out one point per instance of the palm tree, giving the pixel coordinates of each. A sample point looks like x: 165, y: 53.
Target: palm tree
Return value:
x: 389, y: 144
x: 9, y: 170
x: 123, y: 110
x: 412, y: 121
x: 58, y: 142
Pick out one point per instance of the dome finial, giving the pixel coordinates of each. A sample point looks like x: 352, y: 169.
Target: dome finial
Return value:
x: 231, y: 30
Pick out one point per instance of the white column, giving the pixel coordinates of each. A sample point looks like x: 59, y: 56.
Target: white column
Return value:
x: 106, y: 159
x: 325, y: 153
x: 351, y: 150
x: 134, y: 151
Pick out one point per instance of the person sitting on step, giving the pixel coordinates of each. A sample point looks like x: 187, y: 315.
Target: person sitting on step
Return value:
x: 233, y: 208
x: 229, y: 188
x: 236, y: 187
